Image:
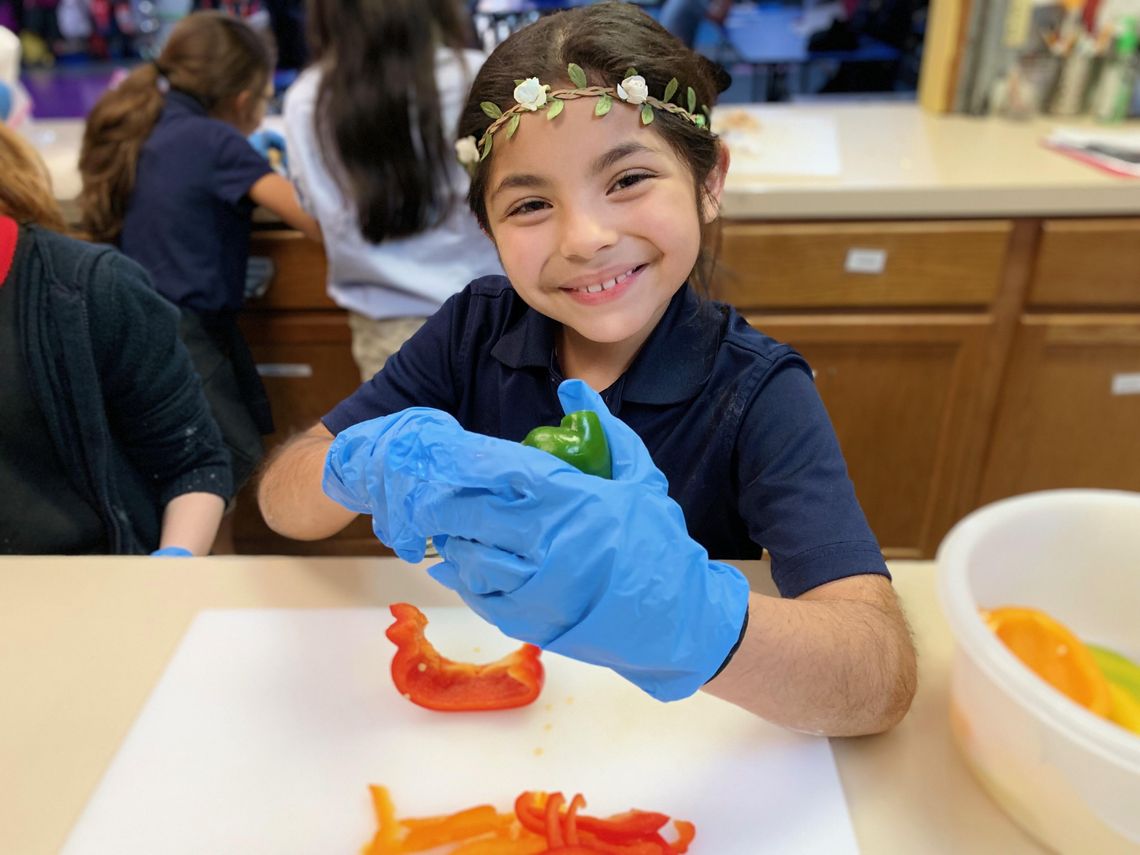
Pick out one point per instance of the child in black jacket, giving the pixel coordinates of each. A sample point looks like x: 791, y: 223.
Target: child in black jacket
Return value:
x: 107, y: 444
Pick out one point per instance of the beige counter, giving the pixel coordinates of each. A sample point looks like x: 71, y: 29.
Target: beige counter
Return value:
x: 894, y: 160
x: 864, y: 160
x: 83, y: 642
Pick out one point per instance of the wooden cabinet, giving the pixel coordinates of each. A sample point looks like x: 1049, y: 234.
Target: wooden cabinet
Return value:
x: 1069, y: 414
x: 865, y: 265
x: 897, y: 320
x: 898, y: 390
x: 302, y: 346
x: 1087, y: 264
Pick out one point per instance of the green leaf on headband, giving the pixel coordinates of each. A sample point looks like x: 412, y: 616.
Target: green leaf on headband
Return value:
x: 603, y: 105
x: 630, y: 72
x: 577, y: 75
x: 692, y: 96
x: 491, y: 109
x: 519, y: 82
x: 699, y: 120
x: 671, y: 89
x: 555, y: 108
x: 646, y: 114
x: 487, y: 147
x: 512, y: 125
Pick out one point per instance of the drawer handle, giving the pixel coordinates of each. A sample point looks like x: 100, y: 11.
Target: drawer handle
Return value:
x: 285, y: 369
x: 1126, y: 384
x: 868, y: 261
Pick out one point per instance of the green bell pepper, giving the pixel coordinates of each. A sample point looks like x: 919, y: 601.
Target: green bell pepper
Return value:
x: 579, y: 440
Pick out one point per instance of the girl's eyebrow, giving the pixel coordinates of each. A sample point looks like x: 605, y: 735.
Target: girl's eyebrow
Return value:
x: 601, y: 164
x: 617, y: 154
x: 519, y: 180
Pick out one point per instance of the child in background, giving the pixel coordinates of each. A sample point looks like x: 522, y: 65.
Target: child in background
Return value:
x: 169, y: 175
x: 596, y: 175
x: 369, y: 128
x: 106, y: 444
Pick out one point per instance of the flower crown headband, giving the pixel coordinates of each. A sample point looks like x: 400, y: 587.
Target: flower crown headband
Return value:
x: 530, y: 95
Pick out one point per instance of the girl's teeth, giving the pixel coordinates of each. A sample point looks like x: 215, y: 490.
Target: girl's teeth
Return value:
x: 608, y: 284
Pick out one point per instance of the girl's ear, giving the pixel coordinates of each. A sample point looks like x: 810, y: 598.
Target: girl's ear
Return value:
x: 242, y: 102
x: 714, y: 186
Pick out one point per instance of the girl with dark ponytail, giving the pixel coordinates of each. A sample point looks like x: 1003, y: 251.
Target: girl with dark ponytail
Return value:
x: 170, y: 177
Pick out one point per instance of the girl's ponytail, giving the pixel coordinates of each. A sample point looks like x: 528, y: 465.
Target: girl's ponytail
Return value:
x: 114, y: 136
x: 210, y: 56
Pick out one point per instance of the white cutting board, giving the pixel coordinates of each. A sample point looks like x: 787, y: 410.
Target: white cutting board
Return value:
x: 268, y: 725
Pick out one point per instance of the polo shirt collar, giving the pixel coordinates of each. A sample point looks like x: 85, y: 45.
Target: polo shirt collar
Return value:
x: 673, y: 363
x: 179, y: 100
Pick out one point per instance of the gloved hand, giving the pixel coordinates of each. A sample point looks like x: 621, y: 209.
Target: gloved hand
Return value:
x: 172, y: 552
x: 267, y: 142
x: 601, y: 571
x: 389, y: 466
x: 6, y: 100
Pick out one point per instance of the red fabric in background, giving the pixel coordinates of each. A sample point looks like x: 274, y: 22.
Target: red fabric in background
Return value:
x: 8, y: 233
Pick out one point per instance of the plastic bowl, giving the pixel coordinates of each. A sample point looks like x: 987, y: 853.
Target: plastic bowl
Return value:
x: 1069, y: 777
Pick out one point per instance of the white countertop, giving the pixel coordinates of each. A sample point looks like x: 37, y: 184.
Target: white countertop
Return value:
x: 83, y: 641
x: 846, y: 161
x: 894, y: 160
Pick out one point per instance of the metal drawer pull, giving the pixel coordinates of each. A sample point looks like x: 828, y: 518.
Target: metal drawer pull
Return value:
x: 1126, y: 384
x: 285, y: 369
x: 871, y: 261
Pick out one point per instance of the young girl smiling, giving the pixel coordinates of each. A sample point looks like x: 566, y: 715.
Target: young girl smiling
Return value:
x: 594, y: 172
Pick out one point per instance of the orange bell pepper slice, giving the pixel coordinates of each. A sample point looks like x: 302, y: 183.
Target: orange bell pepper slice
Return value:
x: 430, y: 680
x: 386, y: 839
x: 424, y: 834
x: 1052, y: 652
x: 555, y: 829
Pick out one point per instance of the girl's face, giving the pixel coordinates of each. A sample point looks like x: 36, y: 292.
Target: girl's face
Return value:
x: 596, y: 220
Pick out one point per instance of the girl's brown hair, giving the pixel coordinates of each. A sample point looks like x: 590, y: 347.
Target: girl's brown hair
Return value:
x: 378, y: 111
x: 605, y: 40
x: 25, y: 193
x: 209, y: 55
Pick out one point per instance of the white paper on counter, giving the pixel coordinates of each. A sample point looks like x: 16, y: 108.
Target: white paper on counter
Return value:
x: 268, y: 725
x: 771, y: 144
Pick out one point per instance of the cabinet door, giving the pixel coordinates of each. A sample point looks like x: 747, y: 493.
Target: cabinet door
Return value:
x: 1088, y: 264
x: 299, y: 271
x: 305, y: 360
x: 832, y: 266
x: 903, y: 394
x: 1069, y: 415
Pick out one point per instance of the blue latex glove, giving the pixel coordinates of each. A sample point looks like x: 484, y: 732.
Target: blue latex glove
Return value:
x: 601, y: 571
x: 172, y: 552
x: 6, y: 99
x: 266, y: 141
x: 388, y: 466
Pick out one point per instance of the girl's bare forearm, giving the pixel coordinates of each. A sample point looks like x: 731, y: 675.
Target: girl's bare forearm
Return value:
x: 838, y: 661
x: 191, y: 521
x: 290, y: 495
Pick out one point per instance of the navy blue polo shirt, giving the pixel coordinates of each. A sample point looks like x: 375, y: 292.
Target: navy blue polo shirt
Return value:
x: 188, y: 218
x: 730, y: 416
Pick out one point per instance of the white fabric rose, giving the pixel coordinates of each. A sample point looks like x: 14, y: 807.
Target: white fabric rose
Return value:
x: 467, y: 151
x: 531, y: 94
x: 633, y: 89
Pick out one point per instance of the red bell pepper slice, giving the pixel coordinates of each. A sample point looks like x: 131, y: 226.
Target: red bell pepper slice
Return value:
x: 430, y: 680
x: 631, y: 825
